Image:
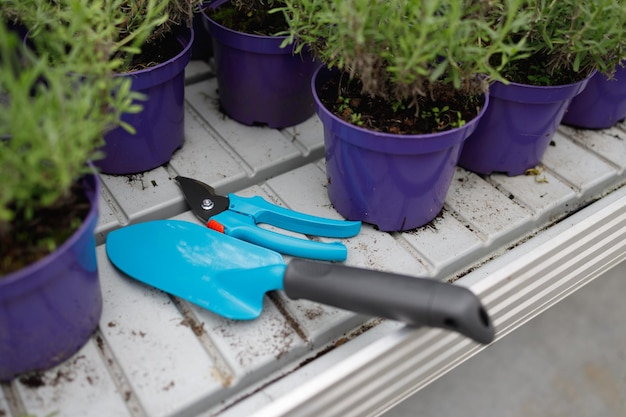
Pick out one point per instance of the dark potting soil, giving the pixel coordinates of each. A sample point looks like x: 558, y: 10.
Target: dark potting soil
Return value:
x: 255, y: 21
x: 343, y: 97
x: 533, y: 71
x: 25, y: 241
x: 156, y: 52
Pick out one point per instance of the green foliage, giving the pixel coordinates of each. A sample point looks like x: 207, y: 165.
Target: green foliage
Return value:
x: 250, y: 16
x: 400, y: 49
x: 179, y: 12
x: 112, y: 30
x: 252, y: 5
x: 60, y: 95
x: 356, y: 119
x: 536, y: 76
x: 581, y: 35
x: 51, y: 123
x: 59, y: 99
x: 397, y: 105
x: 444, y: 117
x: 345, y: 108
x: 344, y: 104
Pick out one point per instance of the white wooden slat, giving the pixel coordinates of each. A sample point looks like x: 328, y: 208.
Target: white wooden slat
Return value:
x: 309, y: 135
x: 204, y: 158
x: 80, y: 386
x: 253, y: 348
x: 145, y: 196
x: 110, y: 215
x: 543, y: 193
x: 263, y: 149
x: 304, y: 190
x: 485, y: 209
x: 320, y: 324
x: 447, y: 245
x: 4, y: 405
x: 343, y: 349
x: 381, y: 251
x: 609, y: 143
x: 583, y: 170
x: 154, y: 344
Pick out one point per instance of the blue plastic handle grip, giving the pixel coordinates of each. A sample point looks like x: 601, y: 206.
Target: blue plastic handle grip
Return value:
x: 265, y: 212
x: 244, y: 227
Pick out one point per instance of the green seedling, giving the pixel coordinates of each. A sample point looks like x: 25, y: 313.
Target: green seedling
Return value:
x: 444, y: 117
x: 344, y: 104
x: 355, y: 118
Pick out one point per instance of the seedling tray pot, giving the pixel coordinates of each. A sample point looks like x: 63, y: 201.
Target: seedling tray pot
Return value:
x: 259, y: 82
x: 517, y: 127
x: 601, y: 104
x: 49, y: 309
x: 396, y: 182
x: 160, y: 126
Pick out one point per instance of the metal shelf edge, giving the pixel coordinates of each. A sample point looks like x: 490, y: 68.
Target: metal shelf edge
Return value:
x: 575, y: 252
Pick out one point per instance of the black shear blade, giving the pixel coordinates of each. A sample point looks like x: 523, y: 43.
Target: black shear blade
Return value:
x: 202, y: 199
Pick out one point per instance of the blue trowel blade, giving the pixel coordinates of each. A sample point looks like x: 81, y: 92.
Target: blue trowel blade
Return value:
x: 220, y: 273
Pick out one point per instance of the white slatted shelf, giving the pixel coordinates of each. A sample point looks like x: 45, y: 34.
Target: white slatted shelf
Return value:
x: 155, y: 355
x: 81, y: 386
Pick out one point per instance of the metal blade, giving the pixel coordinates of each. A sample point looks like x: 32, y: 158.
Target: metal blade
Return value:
x: 202, y: 199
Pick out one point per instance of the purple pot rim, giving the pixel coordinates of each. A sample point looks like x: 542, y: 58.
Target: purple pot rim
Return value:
x: 14, y: 278
x: 561, y: 92
x: 454, y: 135
x: 180, y: 58
x: 266, y: 44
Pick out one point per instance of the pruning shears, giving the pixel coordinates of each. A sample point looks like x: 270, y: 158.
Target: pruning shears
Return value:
x: 239, y: 217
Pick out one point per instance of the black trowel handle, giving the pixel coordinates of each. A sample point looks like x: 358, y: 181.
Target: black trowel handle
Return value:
x: 417, y: 301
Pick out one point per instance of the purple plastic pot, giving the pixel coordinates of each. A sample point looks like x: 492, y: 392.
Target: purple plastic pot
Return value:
x: 49, y: 309
x: 517, y: 127
x: 160, y: 126
x: 259, y: 82
x: 396, y: 182
x: 601, y: 104
x: 202, y: 47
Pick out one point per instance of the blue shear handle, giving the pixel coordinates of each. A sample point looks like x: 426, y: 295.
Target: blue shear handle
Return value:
x: 265, y: 212
x: 244, y: 227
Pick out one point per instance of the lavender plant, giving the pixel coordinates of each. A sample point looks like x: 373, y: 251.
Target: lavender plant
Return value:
x: 250, y: 16
x: 56, y: 103
x: 571, y: 38
x: 116, y: 29
x: 404, y: 49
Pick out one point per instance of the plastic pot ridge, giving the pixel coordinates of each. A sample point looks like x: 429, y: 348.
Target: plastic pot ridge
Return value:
x: 602, y: 103
x: 49, y: 309
x: 259, y: 82
x: 517, y: 127
x: 160, y: 125
x: 396, y: 182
